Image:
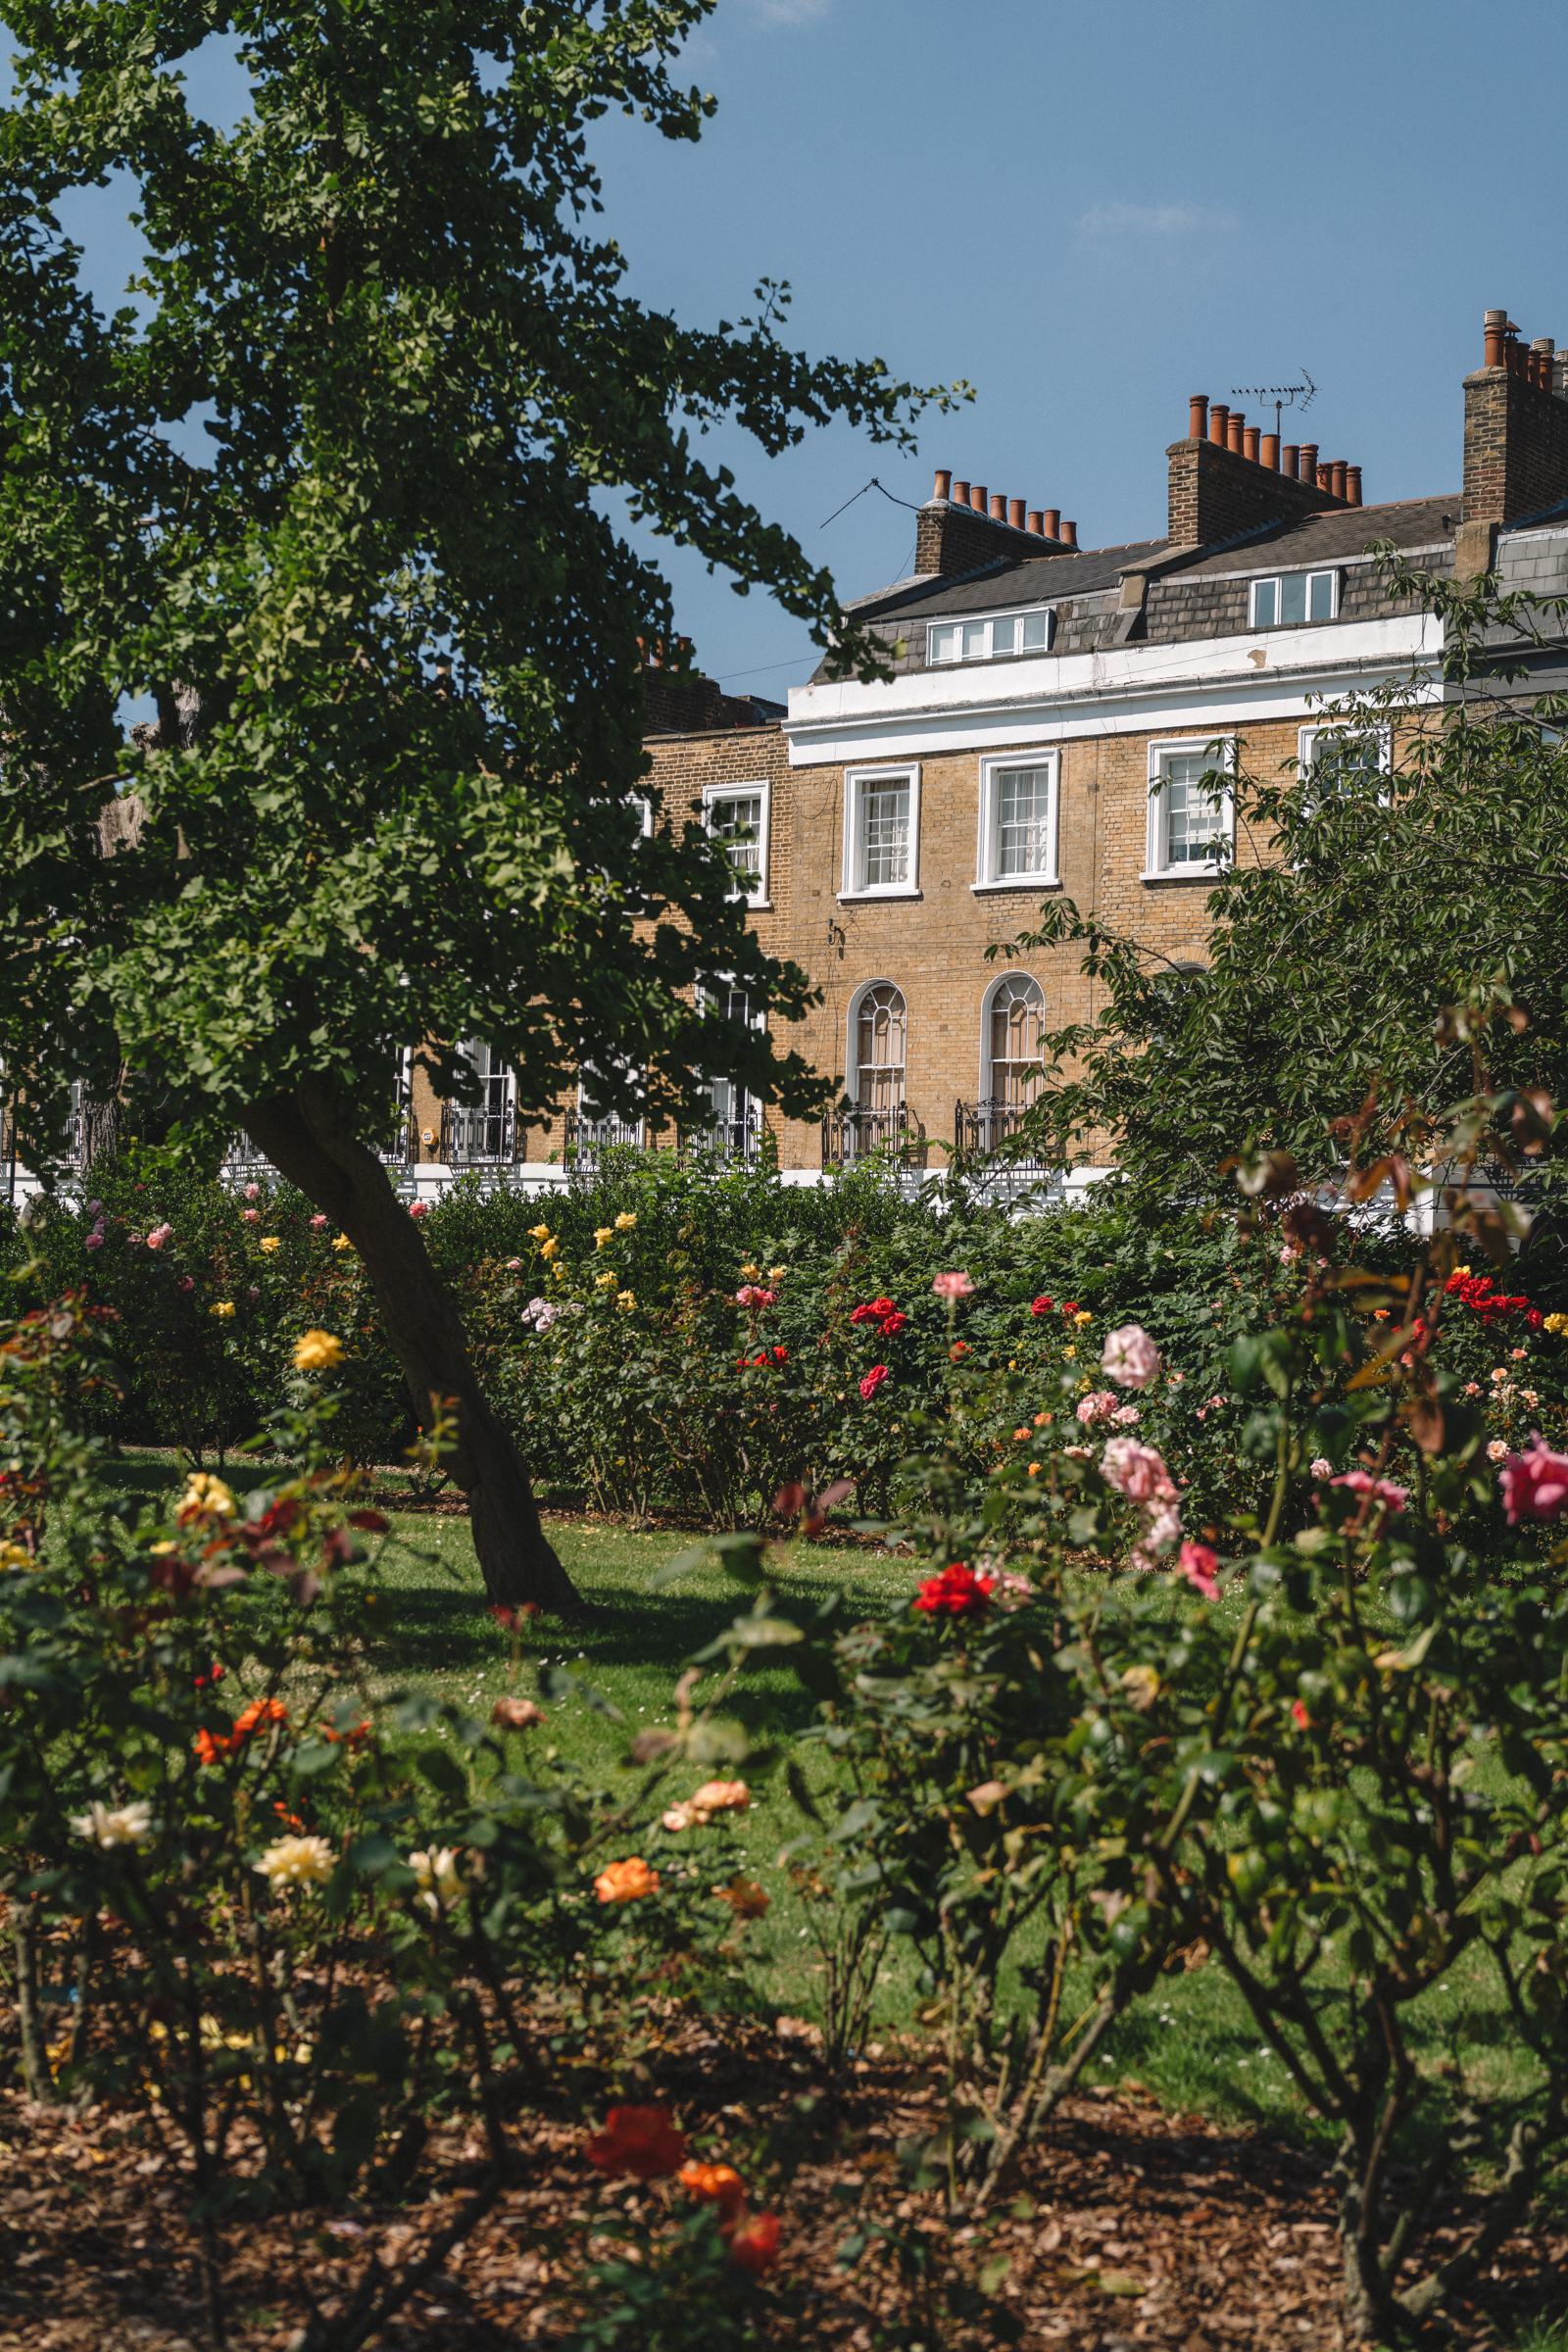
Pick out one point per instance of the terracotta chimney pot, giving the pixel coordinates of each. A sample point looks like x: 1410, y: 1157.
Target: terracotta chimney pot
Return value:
x: 1235, y: 426
x: 1269, y: 454
x: 960, y: 494
x: 1197, y: 419
x: 1036, y: 523
x: 1337, y: 477
x: 1250, y: 441
x: 999, y: 507
x: 1325, y: 479
x: 977, y: 498
x: 1352, y: 484
x: 1545, y: 349
x: 944, y: 486
x: 1308, y: 461
x: 1494, y: 326
x: 1218, y: 416
x: 1069, y: 534
x: 1016, y: 513
x: 1050, y: 522
x: 1290, y: 458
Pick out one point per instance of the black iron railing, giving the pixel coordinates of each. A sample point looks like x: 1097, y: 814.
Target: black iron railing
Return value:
x: 987, y: 1126
x: 850, y: 1135
x: 586, y: 1138
x: 480, y: 1138
x: 727, y: 1139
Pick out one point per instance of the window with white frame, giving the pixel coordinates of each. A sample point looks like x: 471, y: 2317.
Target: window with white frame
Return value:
x: 1014, y: 1023
x: 1192, y: 815
x: 1018, y: 821
x: 1336, y: 759
x: 881, y: 1039
x: 598, y: 1126
x: 737, y: 1114
x: 989, y: 640
x: 1295, y: 598
x: 737, y: 816
x: 881, y: 832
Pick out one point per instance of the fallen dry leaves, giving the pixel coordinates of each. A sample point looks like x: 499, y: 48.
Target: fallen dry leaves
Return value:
x: 1125, y: 2227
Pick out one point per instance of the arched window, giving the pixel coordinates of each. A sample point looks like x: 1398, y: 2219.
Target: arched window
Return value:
x: 1015, y: 1020
x: 881, y: 1027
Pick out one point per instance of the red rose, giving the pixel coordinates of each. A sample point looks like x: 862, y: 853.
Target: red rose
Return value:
x: 639, y: 2141
x: 754, y: 2244
x: 1040, y: 1307
x: 872, y: 1382
x: 957, y: 1592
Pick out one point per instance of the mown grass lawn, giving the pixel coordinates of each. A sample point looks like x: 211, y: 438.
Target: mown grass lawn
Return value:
x: 1191, y: 2043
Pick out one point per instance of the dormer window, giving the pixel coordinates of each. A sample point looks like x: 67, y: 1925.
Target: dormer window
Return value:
x: 1294, y: 599
x: 991, y: 640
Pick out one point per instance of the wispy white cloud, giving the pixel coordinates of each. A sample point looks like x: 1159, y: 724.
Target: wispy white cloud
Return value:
x: 1153, y: 220
x: 790, y: 12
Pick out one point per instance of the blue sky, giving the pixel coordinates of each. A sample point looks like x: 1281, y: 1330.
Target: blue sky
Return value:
x: 1089, y: 214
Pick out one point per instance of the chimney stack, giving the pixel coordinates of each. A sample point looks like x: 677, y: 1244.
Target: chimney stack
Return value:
x: 1232, y: 481
x: 965, y: 526
x: 1515, y: 428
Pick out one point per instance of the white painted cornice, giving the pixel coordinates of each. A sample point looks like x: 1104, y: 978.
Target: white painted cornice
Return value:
x: 1128, y: 690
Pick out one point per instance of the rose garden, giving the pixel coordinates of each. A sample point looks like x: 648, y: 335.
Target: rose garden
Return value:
x: 1054, y: 1701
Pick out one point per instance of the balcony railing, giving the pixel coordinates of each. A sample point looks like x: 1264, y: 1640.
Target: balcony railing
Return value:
x: 727, y: 1139
x: 586, y: 1139
x: 852, y: 1135
x: 987, y: 1126
x: 480, y: 1138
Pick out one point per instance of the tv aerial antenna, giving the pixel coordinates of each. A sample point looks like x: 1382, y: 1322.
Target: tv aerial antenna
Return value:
x: 1284, y: 396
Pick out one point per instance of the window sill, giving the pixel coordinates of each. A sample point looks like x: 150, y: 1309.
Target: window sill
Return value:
x: 1000, y: 882
x: 758, y: 905
x: 870, y: 898
x: 1186, y: 873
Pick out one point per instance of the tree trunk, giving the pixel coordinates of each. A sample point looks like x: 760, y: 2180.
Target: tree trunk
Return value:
x: 306, y: 1138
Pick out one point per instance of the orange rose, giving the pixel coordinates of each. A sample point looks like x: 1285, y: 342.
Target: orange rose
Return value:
x: 639, y: 2143
x: 625, y: 1881
x: 717, y: 2184
x: 721, y: 1797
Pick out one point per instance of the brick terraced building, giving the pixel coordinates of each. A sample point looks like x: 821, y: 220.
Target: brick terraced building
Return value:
x: 1045, y: 730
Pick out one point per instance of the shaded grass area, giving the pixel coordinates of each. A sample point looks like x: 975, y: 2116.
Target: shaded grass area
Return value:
x: 1192, y: 2042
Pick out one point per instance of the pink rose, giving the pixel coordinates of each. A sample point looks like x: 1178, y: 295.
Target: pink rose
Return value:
x: 94, y: 1241
x: 1534, y: 1482
x: 159, y: 1234
x: 1126, y: 1415
x: 253, y: 1192
x: 416, y: 1208
x: 1097, y: 1407
x: 95, y: 1209
x: 317, y: 1224
x: 1130, y: 1356
x: 1135, y: 1471
x: 1322, y: 1467
x: 1199, y: 1564
x: 251, y: 1216
x: 512, y: 1263
x: 873, y: 1381
x: 1382, y: 1490
x: 186, y: 1282
x: 953, y: 1285
x: 749, y: 1294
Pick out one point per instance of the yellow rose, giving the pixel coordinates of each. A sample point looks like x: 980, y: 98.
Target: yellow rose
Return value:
x: 222, y: 1308
x: 603, y: 1234
x: 1081, y: 1322
x: 317, y: 1351
x: 207, y: 1494
x: 751, y: 1273
x: 539, y: 1233
x: 1555, y: 1324
x: 12, y: 1556
x: 627, y: 1222
x: 776, y: 1273
x: 626, y: 1299
x: 549, y: 1248
x: 604, y: 1282
x: 270, y: 1242
x: 342, y: 1242
x: 1069, y: 1352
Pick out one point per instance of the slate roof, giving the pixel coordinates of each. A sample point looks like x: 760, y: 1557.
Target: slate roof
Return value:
x: 1335, y: 534
x: 1040, y: 580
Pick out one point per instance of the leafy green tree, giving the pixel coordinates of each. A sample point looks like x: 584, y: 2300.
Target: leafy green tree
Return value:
x: 1419, y: 867
x: 333, y: 497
